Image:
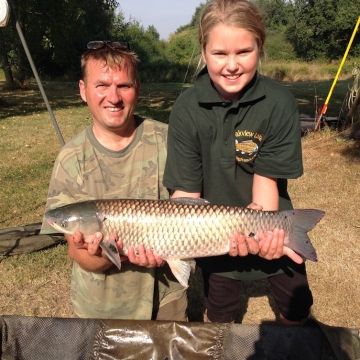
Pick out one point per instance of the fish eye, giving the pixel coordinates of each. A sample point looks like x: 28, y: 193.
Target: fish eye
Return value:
x: 63, y: 224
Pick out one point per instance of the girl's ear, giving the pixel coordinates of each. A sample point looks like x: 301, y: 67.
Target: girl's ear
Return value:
x: 261, y: 49
x: 203, y: 55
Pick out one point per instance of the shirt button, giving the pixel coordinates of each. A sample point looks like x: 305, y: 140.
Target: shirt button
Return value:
x: 226, y: 142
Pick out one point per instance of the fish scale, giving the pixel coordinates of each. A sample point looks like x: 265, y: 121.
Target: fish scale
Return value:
x: 180, y: 229
x: 201, y: 230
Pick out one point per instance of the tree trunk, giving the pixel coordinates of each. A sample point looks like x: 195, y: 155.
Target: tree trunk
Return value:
x: 21, y: 58
x: 9, y: 79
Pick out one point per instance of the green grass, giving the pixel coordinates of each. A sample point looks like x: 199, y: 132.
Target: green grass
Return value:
x: 306, y: 93
x: 29, y: 145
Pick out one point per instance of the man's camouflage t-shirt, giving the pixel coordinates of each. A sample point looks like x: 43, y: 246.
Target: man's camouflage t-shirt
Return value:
x: 85, y: 170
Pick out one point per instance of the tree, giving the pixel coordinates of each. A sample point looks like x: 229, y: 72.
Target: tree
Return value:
x: 5, y: 64
x: 194, y: 22
x: 55, y: 35
x: 276, y: 13
x: 322, y: 28
x: 151, y: 30
x: 146, y: 44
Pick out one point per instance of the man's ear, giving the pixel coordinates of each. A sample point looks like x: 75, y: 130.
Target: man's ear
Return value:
x: 82, y: 90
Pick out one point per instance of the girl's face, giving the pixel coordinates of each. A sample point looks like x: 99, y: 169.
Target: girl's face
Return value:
x: 231, y: 56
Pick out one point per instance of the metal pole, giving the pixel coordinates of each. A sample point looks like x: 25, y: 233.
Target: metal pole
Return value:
x: 324, y: 108
x: 18, y: 28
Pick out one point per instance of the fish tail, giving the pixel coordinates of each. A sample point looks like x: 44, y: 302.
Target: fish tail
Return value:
x: 303, y: 221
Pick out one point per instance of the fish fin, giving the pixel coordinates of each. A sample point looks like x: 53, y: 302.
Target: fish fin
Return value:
x: 181, y: 269
x: 192, y: 264
x: 190, y: 201
x: 111, y: 250
x: 303, y: 221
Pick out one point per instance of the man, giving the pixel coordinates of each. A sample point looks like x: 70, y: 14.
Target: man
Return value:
x: 120, y: 155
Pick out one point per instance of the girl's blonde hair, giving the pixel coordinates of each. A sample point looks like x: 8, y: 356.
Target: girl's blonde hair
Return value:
x: 235, y: 13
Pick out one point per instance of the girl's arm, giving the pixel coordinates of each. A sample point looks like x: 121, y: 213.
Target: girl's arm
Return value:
x: 265, y: 192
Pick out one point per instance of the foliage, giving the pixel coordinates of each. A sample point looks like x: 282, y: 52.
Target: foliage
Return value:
x: 183, y: 46
x: 322, y: 28
x: 159, y: 61
x: 276, y: 13
x: 57, y: 35
x: 194, y: 22
x: 277, y: 48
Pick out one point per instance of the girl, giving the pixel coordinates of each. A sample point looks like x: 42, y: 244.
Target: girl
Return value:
x: 234, y: 138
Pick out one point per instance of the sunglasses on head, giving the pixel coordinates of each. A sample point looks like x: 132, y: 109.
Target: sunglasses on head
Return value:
x: 115, y: 45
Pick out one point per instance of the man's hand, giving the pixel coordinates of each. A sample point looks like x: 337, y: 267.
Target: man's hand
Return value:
x: 94, y: 246
x: 78, y: 241
x: 90, y: 260
x: 144, y: 257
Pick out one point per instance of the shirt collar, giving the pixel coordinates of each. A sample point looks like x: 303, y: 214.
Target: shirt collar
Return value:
x: 206, y: 92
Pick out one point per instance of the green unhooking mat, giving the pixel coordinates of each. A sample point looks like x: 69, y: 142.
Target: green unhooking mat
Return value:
x: 25, y: 239
x: 29, y: 338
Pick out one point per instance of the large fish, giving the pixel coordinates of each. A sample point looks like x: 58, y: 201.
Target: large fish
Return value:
x: 181, y: 229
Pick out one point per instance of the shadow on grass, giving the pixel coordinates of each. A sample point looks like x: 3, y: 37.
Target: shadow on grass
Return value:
x: 311, y: 95
x: 155, y: 99
x: 27, y: 101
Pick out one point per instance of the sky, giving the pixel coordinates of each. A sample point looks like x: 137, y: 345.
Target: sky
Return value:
x: 166, y: 15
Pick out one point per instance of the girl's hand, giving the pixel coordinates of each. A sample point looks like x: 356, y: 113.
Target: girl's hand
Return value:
x: 272, y: 247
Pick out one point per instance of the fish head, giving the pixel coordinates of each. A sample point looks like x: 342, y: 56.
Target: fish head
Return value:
x: 81, y: 216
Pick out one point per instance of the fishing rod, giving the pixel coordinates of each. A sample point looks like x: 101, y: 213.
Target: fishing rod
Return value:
x: 324, y: 108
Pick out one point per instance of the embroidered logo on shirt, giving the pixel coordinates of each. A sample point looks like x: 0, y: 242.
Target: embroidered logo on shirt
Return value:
x: 246, y: 145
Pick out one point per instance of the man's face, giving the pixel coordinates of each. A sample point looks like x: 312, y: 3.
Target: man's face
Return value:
x: 111, y: 95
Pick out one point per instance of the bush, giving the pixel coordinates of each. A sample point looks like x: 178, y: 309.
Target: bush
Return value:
x: 277, y: 48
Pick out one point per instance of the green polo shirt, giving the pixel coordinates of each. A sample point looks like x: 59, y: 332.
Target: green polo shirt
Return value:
x: 216, y: 146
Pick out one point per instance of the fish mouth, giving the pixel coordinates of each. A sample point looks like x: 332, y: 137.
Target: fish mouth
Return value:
x: 52, y: 223
x: 55, y: 225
